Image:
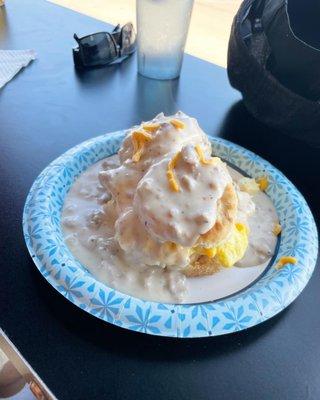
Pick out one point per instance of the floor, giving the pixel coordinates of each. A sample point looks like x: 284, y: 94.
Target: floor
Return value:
x: 13, y: 386
x: 209, y: 29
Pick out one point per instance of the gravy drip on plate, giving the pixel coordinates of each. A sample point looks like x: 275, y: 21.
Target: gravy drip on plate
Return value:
x: 88, y: 224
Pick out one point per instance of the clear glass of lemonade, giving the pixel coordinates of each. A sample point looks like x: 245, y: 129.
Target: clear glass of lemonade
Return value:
x: 162, y: 32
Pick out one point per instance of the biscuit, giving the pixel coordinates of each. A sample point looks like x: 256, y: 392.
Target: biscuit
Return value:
x: 201, y: 266
x: 226, y: 213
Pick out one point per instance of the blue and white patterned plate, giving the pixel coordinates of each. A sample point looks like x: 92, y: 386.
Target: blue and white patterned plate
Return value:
x: 274, y: 291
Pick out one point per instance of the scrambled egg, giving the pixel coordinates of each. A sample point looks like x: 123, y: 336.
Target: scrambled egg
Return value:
x: 248, y: 185
x: 231, y: 250
x: 277, y: 229
x: 252, y: 186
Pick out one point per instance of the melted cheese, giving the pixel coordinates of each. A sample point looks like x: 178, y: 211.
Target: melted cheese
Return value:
x: 151, y: 127
x: 285, y: 260
x: 173, y: 184
x: 263, y: 183
x: 166, y: 140
x: 209, y: 161
x: 139, y: 139
x: 177, y: 124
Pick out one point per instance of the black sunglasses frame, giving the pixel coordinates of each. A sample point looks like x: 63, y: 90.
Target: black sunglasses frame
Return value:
x: 88, y: 55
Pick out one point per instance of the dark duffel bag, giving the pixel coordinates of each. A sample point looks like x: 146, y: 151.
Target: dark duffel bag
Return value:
x: 278, y: 72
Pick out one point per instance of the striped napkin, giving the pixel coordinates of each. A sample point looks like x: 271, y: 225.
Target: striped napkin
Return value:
x: 11, y: 62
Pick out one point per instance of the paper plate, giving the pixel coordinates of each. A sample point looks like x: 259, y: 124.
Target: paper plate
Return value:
x: 270, y: 294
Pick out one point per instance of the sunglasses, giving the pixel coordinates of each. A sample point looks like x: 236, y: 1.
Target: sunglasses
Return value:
x: 105, y: 48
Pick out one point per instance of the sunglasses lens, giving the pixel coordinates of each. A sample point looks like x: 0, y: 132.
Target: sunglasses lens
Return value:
x: 93, y: 40
x: 97, y: 49
x: 128, y: 39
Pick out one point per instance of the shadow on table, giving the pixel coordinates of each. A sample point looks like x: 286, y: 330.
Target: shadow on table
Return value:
x: 100, y: 77
x: 283, y: 151
x: 112, y: 339
x: 153, y: 95
x: 150, y: 96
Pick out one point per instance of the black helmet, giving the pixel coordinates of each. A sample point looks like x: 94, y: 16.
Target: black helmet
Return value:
x: 277, y: 71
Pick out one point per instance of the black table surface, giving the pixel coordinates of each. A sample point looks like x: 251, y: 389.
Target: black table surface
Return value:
x: 47, y: 109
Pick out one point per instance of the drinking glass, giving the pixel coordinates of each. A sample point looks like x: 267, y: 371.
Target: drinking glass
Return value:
x: 162, y: 27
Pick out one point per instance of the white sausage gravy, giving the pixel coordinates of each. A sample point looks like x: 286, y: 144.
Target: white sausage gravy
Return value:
x: 121, y: 217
